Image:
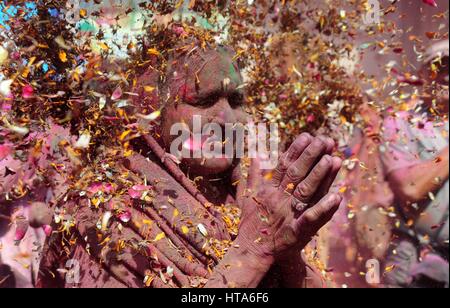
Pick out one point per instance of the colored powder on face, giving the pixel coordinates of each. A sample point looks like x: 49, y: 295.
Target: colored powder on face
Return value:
x: 225, y: 62
x: 234, y: 74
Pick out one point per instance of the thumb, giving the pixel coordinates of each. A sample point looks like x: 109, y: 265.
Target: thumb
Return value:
x: 308, y: 224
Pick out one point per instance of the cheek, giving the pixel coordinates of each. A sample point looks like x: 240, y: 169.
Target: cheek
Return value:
x: 243, y: 116
x: 240, y: 116
x: 175, y: 115
x: 180, y: 114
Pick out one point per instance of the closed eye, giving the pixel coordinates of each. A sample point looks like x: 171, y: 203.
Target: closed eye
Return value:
x: 236, y: 99
x: 208, y: 101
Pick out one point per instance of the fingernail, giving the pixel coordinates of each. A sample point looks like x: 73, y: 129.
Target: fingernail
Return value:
x: 303, y: 139
x: 337, y: 159
x: 335, y: 198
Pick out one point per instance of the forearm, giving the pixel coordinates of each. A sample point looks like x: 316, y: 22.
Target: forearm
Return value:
x: 415, y: 183
x: 239, y: 269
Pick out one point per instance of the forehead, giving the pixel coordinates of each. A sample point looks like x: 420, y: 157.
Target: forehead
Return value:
x: 199, y: 73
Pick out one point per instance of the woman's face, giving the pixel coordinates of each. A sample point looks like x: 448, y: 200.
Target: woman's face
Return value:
x: 214, y: 98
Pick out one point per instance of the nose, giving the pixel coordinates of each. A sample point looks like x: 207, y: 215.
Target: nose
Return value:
x: 224, y: 112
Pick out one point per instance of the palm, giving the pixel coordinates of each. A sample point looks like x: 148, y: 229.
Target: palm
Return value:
x: 271, y: 223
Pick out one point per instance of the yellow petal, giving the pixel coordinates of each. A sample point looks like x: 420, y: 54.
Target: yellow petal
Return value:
x: 124, y: 135
x: 147, y: 222
x: 83, y: 13
x: 176, y: 213
x: 63, y: 56
x: 153, y: 51
x: 389, y: 269
x: 159, y: 237
x: 185, y: 229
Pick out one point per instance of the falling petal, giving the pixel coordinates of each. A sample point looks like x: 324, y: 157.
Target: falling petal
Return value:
x: 430, y: 2
x: 63, y: 56
x: 117, y: 94
x: 21, y: 231
x: 27, y: 92
x: 125, y: 216
x: 5, y: 87
x: 47, y: 230
x: 152, y: 116
x: 5, y: 151
x: 83, y: 141
x: 105, y: 220
x: 3, y: 55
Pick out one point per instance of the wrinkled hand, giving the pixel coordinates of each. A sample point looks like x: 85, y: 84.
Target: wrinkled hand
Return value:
x: 287, y: 210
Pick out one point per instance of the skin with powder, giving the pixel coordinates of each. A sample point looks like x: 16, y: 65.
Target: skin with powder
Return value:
x: 168, y: 229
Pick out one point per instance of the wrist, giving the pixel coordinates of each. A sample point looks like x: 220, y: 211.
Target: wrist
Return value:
x: 253, y: 253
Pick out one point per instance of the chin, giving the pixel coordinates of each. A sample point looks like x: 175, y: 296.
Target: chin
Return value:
x: 206, y: 167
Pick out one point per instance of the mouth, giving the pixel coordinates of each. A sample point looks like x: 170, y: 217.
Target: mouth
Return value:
x: 194, y: 144
x: 198, y: 143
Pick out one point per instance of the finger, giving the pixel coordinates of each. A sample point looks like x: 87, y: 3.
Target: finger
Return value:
x: 329, y: 143
x: 151, y: 251
x: 308, y: 188
x: 131, y: 268
x: 254, y: 175
x: 325, y: 187
x: 316, y: 217
x: 107, y: 261
x: 123, y: 269
x: 137, y: 231
x: 293, y: 153
x: 298, y: 171
x: 178, y: 254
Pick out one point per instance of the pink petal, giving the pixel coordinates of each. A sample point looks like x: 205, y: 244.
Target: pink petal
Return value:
x: 141, y: 187
x: 136, y: 191
x: 47, y: 230
x: 95, y: 188
x: 21, y: 230
x: 134, y: 194
x: 6, y: 106
x: 179, y: 30
x: 265, y: 231
x: 117, y: 94
x: 125, y: 216
x: 195, y: 144
x: 103, y: 187
x: 27, y: 92
x: 430, y: 2
x: 108, y: 188
x: 5, y: 151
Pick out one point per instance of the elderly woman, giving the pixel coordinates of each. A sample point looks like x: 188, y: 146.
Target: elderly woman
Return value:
x: 167, y: 233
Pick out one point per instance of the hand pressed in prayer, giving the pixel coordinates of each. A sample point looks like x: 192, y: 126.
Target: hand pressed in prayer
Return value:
x: 284, y: 211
